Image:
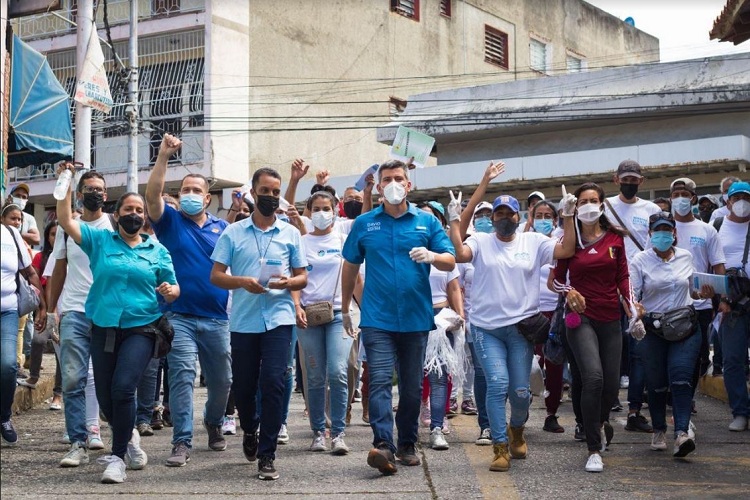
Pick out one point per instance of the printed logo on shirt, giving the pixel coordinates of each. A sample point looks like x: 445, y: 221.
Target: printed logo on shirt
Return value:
x: 321, y: 253
x: 612, y: 252
x: 697, y: 241
x: 420, y: 228
x: 593, y: 251
x: 309, y: 268
x: 524, y: 256
x: 333, y: 250
x: 640, y: 221
x: 373, y: 226
x: 215, y: 230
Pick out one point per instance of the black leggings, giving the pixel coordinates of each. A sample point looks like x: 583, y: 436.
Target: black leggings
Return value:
x: 596, y: 348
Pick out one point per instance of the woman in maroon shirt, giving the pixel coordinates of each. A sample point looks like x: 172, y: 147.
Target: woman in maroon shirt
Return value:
x: 593, y: 281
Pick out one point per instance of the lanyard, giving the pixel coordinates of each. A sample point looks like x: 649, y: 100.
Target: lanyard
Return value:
x: 257, y: 244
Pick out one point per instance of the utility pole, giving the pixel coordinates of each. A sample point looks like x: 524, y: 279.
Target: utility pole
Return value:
x: 85, y: 21
x: 132, y: 112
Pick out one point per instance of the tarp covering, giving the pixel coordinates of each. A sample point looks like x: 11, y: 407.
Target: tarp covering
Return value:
x: 40, y: 127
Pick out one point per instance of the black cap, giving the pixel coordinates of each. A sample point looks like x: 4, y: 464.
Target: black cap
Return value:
x: 629, y: 168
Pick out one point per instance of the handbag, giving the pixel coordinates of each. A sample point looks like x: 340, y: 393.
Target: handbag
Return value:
x: 534, y: 328
x: 164, y: 336
x: 28, y: 296
x: 321, y: 313
x: 673, y: 326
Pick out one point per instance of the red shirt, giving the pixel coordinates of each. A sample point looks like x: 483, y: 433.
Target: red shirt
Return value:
x: 597, y: 272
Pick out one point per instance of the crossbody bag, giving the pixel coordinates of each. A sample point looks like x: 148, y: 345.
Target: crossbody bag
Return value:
x: 321, y: 313
x: 28, y: 297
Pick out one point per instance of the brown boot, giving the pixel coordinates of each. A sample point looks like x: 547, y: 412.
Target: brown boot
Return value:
x: 365, y: 409
x: 501, y: 462
x: 518, y: 447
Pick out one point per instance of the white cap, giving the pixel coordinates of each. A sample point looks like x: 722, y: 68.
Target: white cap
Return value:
x: 538, y: 194
x: 483, y: 205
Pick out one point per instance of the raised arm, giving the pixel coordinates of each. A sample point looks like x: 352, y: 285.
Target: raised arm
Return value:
x: 65, y: 212
x: 463, y: 252
x: 299, y: 170
x: 493, y: 170
x: 367, y: 193
x: 155, y: 185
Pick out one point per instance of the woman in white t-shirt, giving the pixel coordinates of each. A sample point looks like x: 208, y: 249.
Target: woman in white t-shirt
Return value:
x: 660, y: 276
x: 325, y: 347
x: 507, y: 268
x: 15, y: 259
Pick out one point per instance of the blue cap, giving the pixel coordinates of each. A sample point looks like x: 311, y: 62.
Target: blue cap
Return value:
x: 505, y: 200
x: 437, y: 206
x: 738, y: 187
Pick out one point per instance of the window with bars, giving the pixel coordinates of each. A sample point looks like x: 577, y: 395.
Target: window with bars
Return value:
x: 445, y: 8
x: 495, y: 47
x: 163, y: 7
x: 573, y: 64
x: 406, y: 8
x: 538, y: 55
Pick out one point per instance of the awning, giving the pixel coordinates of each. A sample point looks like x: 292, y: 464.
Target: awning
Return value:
x: 40, y: 127
x: 733, y: 24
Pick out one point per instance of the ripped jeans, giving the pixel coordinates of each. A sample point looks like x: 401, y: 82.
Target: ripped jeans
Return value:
x: 505, y: 356
x: 670, y: 365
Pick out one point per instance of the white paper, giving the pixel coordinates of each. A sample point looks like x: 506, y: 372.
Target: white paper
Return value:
x: 270, y: 268
x: 717, y: 281
x: 410, y: 143
x: 93, y: 88
x: 362, y: 182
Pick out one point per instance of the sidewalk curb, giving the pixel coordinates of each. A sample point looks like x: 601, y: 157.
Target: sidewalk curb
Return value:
x: 714, y: 387
x: 25, y: 398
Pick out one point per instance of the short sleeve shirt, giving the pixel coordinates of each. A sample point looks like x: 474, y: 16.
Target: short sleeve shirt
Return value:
x: 10, y: 265
x: 702, y: 241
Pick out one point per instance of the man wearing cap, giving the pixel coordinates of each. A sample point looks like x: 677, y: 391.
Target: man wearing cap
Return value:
x: 534, y: 198
x: 734, y: 236
x: 707, y: 205
x: 724, y: 186
x: 702, y: 241
x: 19, y: 195
x: 398, y: 243
x: 628, y: 211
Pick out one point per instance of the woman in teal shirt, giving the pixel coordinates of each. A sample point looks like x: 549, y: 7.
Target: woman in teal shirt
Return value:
x: 129, y: 270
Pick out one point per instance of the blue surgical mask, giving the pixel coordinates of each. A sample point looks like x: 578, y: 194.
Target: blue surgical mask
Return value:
x: 662, y: 240
x: 543, y: 226
x: 191, y: 204
x: 483, y: 225
x: 681, y: 206
x: 283, y: 218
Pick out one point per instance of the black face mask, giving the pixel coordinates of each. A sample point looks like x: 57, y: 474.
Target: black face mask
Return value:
x: 505, y: 227
x: 267, y: 204
x: 705, y: 215
x: 93, y: 201
x: 131, y: 223
x: 629, y: 190
x: 352, y: 209
x: 241, y: 216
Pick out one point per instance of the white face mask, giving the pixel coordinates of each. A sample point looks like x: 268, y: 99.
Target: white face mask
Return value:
x: 394, y: 193
x: 589, y: 213
x: 681, y: 206
x: 322, y: 220
x: 741, y: 208
x: 20, y: 202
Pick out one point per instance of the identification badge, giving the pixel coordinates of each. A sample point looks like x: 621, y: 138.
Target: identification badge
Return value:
x: 270, y: 269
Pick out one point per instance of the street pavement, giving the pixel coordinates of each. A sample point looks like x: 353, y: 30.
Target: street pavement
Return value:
x: 719, y: 468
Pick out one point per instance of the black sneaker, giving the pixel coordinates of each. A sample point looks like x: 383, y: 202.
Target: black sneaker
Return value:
x: 266, y: 470
x: 157, y: 422
x: 579, y: 434
x: 407, y: 455
x: 551, y: 424
x: 9, y: 433
x: 638, y: 423
x: 166, y: 417
x: 617, y: 406
x: 250, y: 446
x: 216, y: 439
x: 381, y: 458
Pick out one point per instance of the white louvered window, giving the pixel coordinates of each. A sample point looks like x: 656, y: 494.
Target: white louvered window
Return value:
x: 495, y: 47
x: 538, y: 55
x: 573, y: 64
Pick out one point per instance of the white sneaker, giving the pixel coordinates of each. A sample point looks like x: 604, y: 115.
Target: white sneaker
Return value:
x: 229, y: 426
x: 594, y: 463
x: 624, y: 382
x: 94, y: 441
x: 65, y: 439
x: 76, y: 456
x: 319, y: 442
x: 446, y: 427
x: 283, y: 437
x: 115, y: 471
x: 437, y: 440
x: 659, y: 441
x: 338, y: 446
x: 739, y: 424
x: 683, y: 445
x: 691, y: 430
x: 136, y: 457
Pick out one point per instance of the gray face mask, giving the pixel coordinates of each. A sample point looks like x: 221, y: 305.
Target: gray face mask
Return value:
x: 505, y: 227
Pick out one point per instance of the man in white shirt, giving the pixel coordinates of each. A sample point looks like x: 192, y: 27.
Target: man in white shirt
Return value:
x: 19, y: 195
x: 702, y: 241
x: 628, y: 211
x: 734, y: 236
x: 724, y: 186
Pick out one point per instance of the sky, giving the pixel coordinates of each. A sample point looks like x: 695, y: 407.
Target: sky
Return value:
x: 681, y: 26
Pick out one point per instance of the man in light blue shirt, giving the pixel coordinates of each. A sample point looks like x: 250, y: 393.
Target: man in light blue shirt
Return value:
x: 267, y: 261
x: 399, y: 243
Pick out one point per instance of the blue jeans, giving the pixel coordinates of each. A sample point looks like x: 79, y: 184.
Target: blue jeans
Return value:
x: 480, y: 388
x: 403, y: 351
x: 505, y: 356
x: 117, y: 374
x: 75, y: 351
x: 145, y: 393
x: 670, y: 366
x: 735, y: 339
x: 438, y: 393
x: 208, y: 339
x: 326, y: 350
x: 637, y: 373
x: 8, y: 362
x: 260, y: 362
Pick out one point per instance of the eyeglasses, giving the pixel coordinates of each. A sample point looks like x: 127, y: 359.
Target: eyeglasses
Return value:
x: 92, y: 189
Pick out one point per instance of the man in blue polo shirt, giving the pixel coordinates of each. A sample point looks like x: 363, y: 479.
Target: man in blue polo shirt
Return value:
x: 199, y: 316
x: 267, y: 260
x: 399, y: 243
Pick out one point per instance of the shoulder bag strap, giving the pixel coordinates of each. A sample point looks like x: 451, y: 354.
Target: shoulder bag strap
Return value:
x: 747, y: 247
x: 619, y: 220
x: 341, y: 266
x: 18, y: 250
